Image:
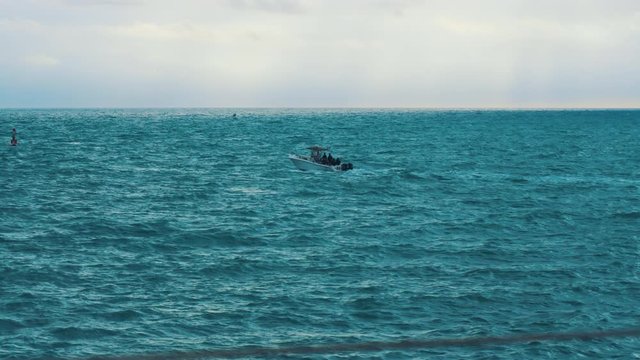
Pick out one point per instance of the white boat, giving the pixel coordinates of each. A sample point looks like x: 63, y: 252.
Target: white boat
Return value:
x: 317, y: 162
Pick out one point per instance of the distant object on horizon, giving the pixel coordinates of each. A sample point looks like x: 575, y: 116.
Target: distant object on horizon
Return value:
x: 315, y: 161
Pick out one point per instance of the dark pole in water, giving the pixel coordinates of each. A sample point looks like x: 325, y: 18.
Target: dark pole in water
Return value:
x: 14, y: 140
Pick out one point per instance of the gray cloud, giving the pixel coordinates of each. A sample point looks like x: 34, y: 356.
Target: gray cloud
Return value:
x: 276, y: 6
x: 332, y: 53
x: 100, y: 2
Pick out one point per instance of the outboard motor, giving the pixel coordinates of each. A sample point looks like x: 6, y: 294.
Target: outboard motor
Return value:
x: 346, y: 166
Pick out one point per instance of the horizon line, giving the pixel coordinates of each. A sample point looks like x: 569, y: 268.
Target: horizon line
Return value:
x: 488, y: 108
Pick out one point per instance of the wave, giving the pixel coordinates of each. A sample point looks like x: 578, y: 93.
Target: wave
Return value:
x: 627, y: 215
x: 73, y: 333
x: 8, y: 326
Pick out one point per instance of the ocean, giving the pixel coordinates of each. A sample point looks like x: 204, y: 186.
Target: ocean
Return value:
x: 150, y: 232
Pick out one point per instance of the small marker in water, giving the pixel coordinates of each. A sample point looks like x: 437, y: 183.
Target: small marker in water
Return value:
x: 14, y: 140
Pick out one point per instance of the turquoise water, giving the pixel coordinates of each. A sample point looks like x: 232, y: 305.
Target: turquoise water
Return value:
x: 126, y: 232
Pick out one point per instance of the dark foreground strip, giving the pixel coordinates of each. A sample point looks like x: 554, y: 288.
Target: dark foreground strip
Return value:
x: 379, y: 346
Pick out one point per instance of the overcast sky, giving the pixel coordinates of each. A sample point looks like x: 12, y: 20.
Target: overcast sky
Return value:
x: 319, y: 53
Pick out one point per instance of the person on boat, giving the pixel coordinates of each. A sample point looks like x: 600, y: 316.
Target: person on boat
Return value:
x: 330, y: 159
x: 324, y: 158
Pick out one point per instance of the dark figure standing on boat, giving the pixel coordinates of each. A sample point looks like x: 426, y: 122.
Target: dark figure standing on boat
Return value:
x: 14, y: 139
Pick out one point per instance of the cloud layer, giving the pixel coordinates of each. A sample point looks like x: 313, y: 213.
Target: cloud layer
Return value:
x: 369, y: 53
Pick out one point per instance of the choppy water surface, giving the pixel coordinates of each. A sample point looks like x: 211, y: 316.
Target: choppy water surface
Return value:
x: 128, y: 232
